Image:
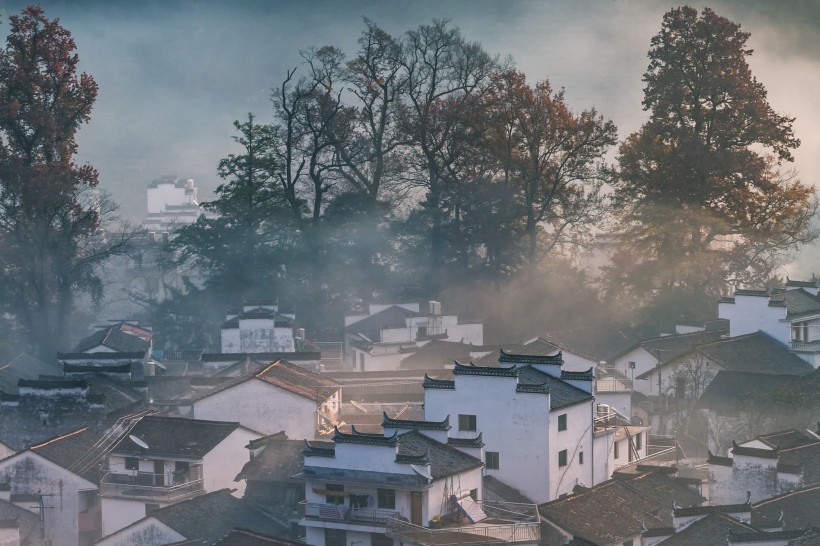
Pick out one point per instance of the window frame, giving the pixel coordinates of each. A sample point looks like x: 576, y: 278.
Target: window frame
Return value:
x: 386, y: 499
x: 492, y: 460
x: 132, y: 463
x: 562, y: 422
x: 467, y: 422
x: 563, y: 459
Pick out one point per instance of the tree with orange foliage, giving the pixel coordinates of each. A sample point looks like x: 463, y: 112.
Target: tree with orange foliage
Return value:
x: 703, y: 199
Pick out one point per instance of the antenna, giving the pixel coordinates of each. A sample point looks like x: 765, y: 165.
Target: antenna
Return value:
x: 137, y: 441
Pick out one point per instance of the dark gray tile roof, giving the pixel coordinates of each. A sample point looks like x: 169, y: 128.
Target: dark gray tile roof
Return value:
x: 372, y: 326
x: 801, y: 303
x: 497, y: 491
x: 27, y: 522
x: 799, y: 508
x: 444, y: 460
x: 114, y: 337
x: 620, y: 508
x: 175, y: 436
x: 438, y: 354
x: 213, y: 515
x: 246, y: 537
x: 562, y: 394
x: 807, y: 457
x: 709, y: 531
x: 77, y: 452
x: 319, y: 473
x: 277, y: 462
x: 730, y: 390
x: 667, y: 348
x: 24, y: 366
x: 597, y: 340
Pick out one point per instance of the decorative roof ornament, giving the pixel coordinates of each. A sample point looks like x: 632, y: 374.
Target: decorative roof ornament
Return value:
x: 554, y: 360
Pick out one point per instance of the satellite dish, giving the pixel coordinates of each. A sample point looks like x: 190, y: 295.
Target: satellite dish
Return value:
x: 137, y: 441
x: 422, y: 471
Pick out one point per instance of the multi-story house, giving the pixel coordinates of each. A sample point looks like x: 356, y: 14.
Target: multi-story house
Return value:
x: 382, y: 338
x: 164, y: 460
x: 542, y: 431
x: 413, y: 484
x: 790, y: 315
x: 258, y: 328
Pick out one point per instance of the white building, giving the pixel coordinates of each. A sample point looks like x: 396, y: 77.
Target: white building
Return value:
x: 164, y: 460
x: 51, y: 480
x: 540, y: 426
x: 791, y: 316
x: 171, y: 202
x: 382, y: 338
x: 411, y: 485
x: 280, y: 397
x: 258, y: 328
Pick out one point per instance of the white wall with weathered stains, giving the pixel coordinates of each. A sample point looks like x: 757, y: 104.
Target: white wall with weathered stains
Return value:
x: 148, y: 532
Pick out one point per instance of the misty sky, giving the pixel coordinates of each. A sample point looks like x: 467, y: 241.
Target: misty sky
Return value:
x: 174, y: 75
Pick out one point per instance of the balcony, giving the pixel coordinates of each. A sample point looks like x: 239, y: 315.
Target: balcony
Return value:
x: 345, y: 514
x: 611, y: 384
x: 506, y: 523
x: 148, y: 487
x: 805, y: 346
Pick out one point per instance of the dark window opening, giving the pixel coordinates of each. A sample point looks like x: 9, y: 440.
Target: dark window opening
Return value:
x: 562, y: 422
x: 562, y: 457
x: 467, y: 422
x: 492, y: 460
x: 386, y: 498
x: 334, y: 494
x: 132, y: 463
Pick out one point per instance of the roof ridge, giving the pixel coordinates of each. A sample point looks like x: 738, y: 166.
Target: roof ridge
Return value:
x: 793, y: 492
x: 57, y: 438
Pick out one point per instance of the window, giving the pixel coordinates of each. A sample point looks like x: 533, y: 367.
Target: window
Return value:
x: 580, y: 457
x: 335, y: 537
x: 616, y: 451
x: 422, y: 331
x: 629, y: 542
x: 467, y: 422
x: 474, y: 494
x: 492, y: 460
x: 331, y: 495
x: 800, y: 331
x: 386, y: 498
x: 132, y: 463
x: 638, y: 442
x: 562, y: 422
x: 380, y: 540
x: 562, y: 457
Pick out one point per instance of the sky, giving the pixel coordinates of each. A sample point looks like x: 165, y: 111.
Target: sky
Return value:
x: 175, y: 74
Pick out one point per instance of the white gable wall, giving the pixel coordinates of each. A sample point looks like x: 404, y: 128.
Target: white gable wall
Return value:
x: 29, y: 473
x: 147, y: 532
x: 221, y: 465
x: 262, y: 407
x: 749, y: 314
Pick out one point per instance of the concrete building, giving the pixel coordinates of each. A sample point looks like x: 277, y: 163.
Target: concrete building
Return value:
x: 164, y: 460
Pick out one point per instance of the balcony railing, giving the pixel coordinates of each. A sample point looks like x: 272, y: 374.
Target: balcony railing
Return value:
x: 613, y: 385
x: 148, y: 486
x: 521, y: 532
x: 808, y: 346
x: 335, y: 512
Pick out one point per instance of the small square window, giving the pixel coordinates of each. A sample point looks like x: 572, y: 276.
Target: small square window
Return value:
x: 132, y: 463
x: 467, y: 422
x: 492, y: 460
x: 562, y: 422
x: 580, y: 457
x: 562, y: 457
x: 386, y: 498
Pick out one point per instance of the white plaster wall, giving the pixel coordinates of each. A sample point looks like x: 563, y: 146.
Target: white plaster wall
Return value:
x: 577, y: 363
x: 29, y: 473
x: 577, y: 438
x: 372, y: 458
x: 644, y: 361
x: 621, y: 401
x: 149, y: 532
x: 466, y: 333
x: 513, y: 424
x: 230, y: 341
x: 166, y: 194
x: 602, y: 452
x: 221, y: 465
x: 750, y: 314
x: 120, y: 513
x: 5, y: 451
x: 9, y: 536
x: 392, y: 335
x: 261, y: 407
x: 382, y: 362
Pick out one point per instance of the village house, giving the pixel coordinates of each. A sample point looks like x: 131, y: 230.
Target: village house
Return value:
x: 543, y: 434
x: 259, y: 327
x: 18, y: 526
x: 268, y: 475
x: 790, y: 315
x: 794, y: 510
x: 163, y: 460
x: 171, y: 202
x: 382, y: 338
x: 122, y: 337
x: 766, y: 466
x: 740, y: 404
x: 617, y: 511
x: 412, y: 484
x: 204, y: 519
x: 280, y: 397
x: 57, y: 481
